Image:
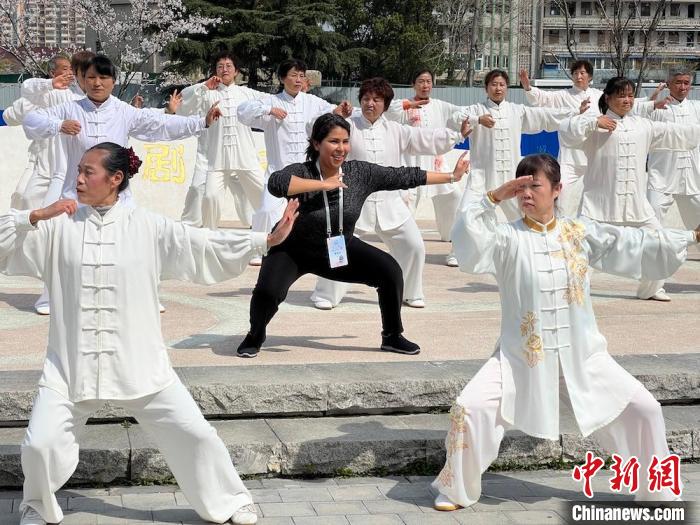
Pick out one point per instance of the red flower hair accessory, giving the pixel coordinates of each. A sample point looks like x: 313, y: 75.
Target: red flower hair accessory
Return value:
x: 134, y: 162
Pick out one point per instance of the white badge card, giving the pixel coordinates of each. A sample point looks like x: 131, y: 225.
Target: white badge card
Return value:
x: 337, y: 254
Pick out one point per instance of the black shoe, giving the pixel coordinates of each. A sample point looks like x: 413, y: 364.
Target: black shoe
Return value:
x: 247, y: 348
x: 399, y: 344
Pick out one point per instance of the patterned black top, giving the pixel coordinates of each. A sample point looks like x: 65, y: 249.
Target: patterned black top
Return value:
x: 361, y: 178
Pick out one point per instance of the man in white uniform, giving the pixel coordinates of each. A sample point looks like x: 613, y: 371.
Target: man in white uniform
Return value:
x: 283, y: 118
x: 232, y: 159
x: 675, y: 175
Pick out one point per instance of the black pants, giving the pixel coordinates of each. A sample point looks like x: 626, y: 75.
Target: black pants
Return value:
x: 367, y: 265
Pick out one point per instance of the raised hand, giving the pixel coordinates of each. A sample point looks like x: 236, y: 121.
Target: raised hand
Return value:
x: 278, y: 113
x: 344, y: 109
x: 62, y: 81
x: 606, y: 123
x: 213, y: 114
x: 511, y: 188
x: 412, y: 103
x: 524, y: 79
x: 487, y: 121
x: 284, y: 226
x: 59, y: 207
x: 461, y: 167
x: 662, y: 104
x: 465, y: 129
x: 137, y: 101
x: 585, y: 104
x: 657, y: 91
x: 174, y: 102
x: 70, y: 127
x: 213, y: 82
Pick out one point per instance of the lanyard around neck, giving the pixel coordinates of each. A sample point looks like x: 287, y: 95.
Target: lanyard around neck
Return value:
x: 329, y: 231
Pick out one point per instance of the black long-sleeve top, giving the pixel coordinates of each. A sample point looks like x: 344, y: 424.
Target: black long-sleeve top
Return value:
x: 361, y: 178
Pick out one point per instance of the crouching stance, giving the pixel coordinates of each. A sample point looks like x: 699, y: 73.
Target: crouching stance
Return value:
x: 541, y: 264
x: 102, y: 263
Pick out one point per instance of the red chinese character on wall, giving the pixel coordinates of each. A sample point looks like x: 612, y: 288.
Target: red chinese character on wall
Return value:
x: 587, y: 471
x: 665, y: 473
x: 626, y: 475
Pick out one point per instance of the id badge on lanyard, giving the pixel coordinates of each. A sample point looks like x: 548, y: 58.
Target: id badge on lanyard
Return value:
x: 337, y: 251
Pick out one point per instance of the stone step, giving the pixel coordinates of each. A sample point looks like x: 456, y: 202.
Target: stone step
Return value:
x: 402, y: 444
x: 348, y: 388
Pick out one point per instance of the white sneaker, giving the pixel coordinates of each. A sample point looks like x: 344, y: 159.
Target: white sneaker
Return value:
x: 256, y: 261
x: 161, y: 308
x: 661, y: 295
x: 322, y: 304
x: 415, y: 303
x: 246, y: 515
x: 42, y: 309
x: 32, y: 517
x: 444, y: 504
x: 451, y: 261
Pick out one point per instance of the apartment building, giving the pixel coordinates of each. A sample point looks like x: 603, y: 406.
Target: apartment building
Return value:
x: 52, y: 24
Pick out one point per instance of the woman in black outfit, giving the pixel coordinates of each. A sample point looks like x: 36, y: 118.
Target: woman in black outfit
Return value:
x: 306, y: 249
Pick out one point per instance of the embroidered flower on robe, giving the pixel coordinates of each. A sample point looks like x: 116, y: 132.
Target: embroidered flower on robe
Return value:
x: 454, y: 442
x: 534, y: 352
x: 571, y: 237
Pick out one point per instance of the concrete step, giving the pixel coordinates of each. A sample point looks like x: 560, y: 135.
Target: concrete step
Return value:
x: 348, y: 388
x: 408, y: 444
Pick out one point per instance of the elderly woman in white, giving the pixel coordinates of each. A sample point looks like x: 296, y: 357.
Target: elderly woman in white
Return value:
x: 102, y: 262
x: 541, y: 264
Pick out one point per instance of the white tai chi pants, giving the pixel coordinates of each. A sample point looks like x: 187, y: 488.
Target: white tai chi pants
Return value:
x: 646, y: 288
x: 572, y: 189
x: 194, y: 452
x: 445, y: 206
x: 192, y: 212
x: 477, y: 430
x: 406, y: 246
x: 688, y: 206
x: 251, y: 181
x: 269, y: 213
x: 32, y: 189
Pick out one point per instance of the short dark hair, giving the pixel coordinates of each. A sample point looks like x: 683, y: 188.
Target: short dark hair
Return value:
x: 117, y: 159
x: 289, y: 64
x: 378, y: 86
x: 419, y: 72
x: 103, y: 66
x: 544, y: 162
x: 582, y: 64
x: 322, y: 127
x: 495, y: 73
x: 80, y: 60
x: 222, y: 55
x: 614, y: 86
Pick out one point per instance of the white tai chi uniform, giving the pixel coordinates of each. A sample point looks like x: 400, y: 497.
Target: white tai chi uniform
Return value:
x: 675, y: 175
x: 572, y: 161
x: 33, y: 189
x: 232, y: 158
x: 495, y: 152
x: 615, y: 184
x: 285, y: 141
x: 112, y: 121
x: 105, y: 343
x: 549, y: 345
x: 192, y: 212
x: 445, y: 197
x: 385, y: 212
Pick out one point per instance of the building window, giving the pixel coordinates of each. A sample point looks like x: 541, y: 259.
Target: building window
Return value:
x: 660, y: 39
x: 553, y: 36
x: 602, y: 38
x: 571, y: 9
x: 554, y: 9
x: 630, y: 38
x: 646, y: 9
x: 690, y: 39
x: 675, y: 10
x: 691, y: 10
x: 586, y: 8
x: 584, y: 37
x: 673, y: 37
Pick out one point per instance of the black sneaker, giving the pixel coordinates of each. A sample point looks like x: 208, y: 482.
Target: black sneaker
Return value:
x: 399, y: 344
x: 247, y: 348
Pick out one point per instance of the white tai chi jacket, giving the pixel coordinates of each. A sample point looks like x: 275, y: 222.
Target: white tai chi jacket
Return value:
x: 102, y: 273
x: 286, y: 139
x: 230, y: 144
x: 385, y: 142
x: 615, y: 184
x: 435, y: 114
x: 113, y: 121
x: 566, y: 98
x: 676, y: 172
x: 516, y: 254
x: 495, y: 152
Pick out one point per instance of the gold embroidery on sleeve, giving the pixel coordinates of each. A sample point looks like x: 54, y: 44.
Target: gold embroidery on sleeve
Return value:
x: 534, y: 352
